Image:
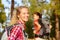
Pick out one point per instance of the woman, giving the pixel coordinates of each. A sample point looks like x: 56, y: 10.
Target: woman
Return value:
x: 16, y: 32
x: 38, y: 26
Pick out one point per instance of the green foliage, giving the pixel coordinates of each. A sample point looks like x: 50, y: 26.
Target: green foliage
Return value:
x: 2, y: 17
x: 29, y: 30
x: 2, y: 6
x: 34, y: 6
x: 52, y: 20
x: 2, y: 14
x: 56, y: 6
x: 0, y: 1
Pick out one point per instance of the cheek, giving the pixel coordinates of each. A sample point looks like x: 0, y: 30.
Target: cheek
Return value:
x: 36, y: 18
x: 22, y: 16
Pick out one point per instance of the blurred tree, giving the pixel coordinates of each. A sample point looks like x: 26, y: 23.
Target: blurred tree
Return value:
x: 12, y: 7
x: 2, y: 13
x: 36, y: 5
x: 56, y: 8
x: 52, y: 21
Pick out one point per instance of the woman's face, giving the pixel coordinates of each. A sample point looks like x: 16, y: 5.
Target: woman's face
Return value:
x: 24, y: 14
x: 36, y: 17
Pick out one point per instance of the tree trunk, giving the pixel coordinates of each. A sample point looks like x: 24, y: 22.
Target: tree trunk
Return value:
x: 57, y: 27
x: 12, y: 7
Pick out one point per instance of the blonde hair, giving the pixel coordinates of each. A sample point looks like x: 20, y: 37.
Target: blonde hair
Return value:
x: 14, y: 18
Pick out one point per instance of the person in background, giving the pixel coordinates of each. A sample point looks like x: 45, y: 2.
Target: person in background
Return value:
x: 38, y: 26
x: 16, y: 33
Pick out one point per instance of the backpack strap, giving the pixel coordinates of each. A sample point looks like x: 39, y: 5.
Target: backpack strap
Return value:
x: 9, y: 28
